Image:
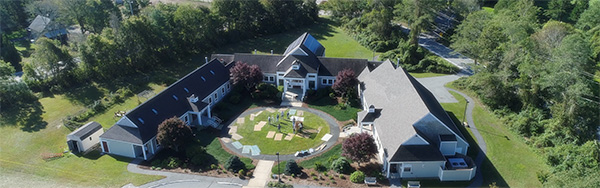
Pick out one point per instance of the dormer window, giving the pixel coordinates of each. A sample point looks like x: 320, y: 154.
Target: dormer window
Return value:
x: 154, y: 110
x: 186, y: 90
x: 296, y: 65
x: 372, y: 109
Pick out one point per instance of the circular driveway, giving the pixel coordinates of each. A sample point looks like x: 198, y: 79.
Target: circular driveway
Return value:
x: 334, y: 130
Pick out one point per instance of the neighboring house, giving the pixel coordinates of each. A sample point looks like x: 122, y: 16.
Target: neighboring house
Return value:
x: 43, y: 26
x: 84, y: 137
x: 415, y: 136
x: 190, y: 99
x: 302, y: 66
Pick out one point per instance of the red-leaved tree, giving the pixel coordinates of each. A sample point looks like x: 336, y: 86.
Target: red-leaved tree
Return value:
x: 359, y: 147
x: 345, y: 82
x: 246, y: 75
x: 173, y: 133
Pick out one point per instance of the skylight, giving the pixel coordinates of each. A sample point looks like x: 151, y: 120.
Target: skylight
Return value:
x: 186, y: 90
x: 203, y: 78
x: 213, y: 73
x: 154, y: 110
x: 175, y: 97
x: 141, y: 120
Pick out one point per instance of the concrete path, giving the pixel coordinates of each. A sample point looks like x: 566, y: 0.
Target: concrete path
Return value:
x: 261, y: 175
x: 183, y: 180
x: 436, y: 86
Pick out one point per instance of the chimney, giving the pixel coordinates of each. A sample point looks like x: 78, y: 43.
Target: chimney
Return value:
x: 271, y: 52
x: 206, y: 59
x: 193, y: 98
x: 371, y: 109
x: 397, y: 62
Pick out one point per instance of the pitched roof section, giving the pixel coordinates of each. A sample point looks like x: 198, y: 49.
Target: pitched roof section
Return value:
x: 39, y: 23
x: 123, y: 133
x: 331, y: 66
x: 86, y: 130
x: 404, y: 102
x: 308, y: 43
x: 266, y: 63
x: 418, y: 153
x: 173, y: 102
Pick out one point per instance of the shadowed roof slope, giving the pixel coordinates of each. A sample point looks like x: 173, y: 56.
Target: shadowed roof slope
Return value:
x: 173, y: 102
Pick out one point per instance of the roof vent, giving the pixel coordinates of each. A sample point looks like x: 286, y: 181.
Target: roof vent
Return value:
x: 193, y: 98
x: 141, y: 120
x: 213, y: 73
x: 154, y: 110
x: 372, y: 109
x: 175, y: 97
x: 203, y: 78
x: 186, y: 90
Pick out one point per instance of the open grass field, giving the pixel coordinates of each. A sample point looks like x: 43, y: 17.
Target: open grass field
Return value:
x: 329, y: 105
x: 22, y: 150
x: 510, y: 162
x: 313, y: 131
x: 336, y: 42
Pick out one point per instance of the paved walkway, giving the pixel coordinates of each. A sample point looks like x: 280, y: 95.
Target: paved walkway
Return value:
x: 436, y: 86
x: 334, y: 130
x: 183, y: 180
x: 262, y: 174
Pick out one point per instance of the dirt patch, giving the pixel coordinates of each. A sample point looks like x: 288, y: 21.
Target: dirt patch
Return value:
x: 331, y: 179
x: 219, y: 172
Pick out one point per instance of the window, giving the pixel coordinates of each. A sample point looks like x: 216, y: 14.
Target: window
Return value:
x: 216, y: 96
x: 203, y: 78
x: 311, y: 76
x: 265, y: 78
x: 330, y: 82
x: 222, y: 90
x: 227, y: 85
x: 213, y: 73
x: 186, y: 90
x: 271, y: 78
x: 324, y: 81
x: 185, y: 119
x: 90, y: 138
x: 407, y: 168
x: 209, y: 100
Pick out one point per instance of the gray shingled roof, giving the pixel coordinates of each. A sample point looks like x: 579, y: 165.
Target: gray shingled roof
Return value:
x: 266, y: 63
x: 123, y: 133
x: 417, y: 153
x: 86, y: 130
x: 404, y: 102
x: 39, y: 23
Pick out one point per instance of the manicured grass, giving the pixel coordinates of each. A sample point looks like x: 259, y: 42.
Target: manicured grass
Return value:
x: 213, y: 147
x: 274, y: 169
x: 426, y: 74
x: 335, y: 151
x: 488, y: 9
x: 336, y: 42
x: 269, y: 146
x: 330, y: 106
x: 21, y: 151
x: 510, y: 162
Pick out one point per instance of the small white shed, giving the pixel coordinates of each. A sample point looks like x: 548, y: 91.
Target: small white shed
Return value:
x: 85, y: 137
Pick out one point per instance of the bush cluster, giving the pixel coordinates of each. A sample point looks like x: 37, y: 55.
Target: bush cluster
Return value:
x: 357, y: 177
x: 75, y: 121
x: 292, y: 168
x: 341, y: 165
x: 234, y: 164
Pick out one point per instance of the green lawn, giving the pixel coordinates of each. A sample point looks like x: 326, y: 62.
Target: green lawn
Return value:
x: 336, y: 42
x: 510, y: 162
x: 21, y: 151
x: 269, y: 146
x: 329, y: 106
x: 335, y: 151
x: 426, y: 74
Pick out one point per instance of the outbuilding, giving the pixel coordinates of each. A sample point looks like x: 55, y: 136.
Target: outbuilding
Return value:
x: 85, y: 137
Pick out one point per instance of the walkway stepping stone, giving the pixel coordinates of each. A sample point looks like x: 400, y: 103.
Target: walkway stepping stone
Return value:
x: 237, y: 145
x: 282, y: 110
x: 260, y: 125
x: 289, y: 137
x: 258, y: 113
x: 240, y: 120
x: 270, y: 110
x: 255, y: 150
x: 292, y: 111
x: 226, y: 140
x: 233, y: 129
x: 246, y: 149
x: 326, y: 137
x: 251, y: 117
x: 278, y: 136
x: 236, y: 136
x: 271, y: 134
x: 300, y: 113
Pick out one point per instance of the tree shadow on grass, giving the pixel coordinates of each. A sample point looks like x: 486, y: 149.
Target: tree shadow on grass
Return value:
x: 84, y: 95
x: 27, y: 115
x: 489, y: 171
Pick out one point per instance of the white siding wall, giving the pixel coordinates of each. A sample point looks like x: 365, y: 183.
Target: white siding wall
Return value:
x: 90, y: 141
x: 448, y: 148
x: 120, y: 148
x: 457, y: 175
x: 422, y: 169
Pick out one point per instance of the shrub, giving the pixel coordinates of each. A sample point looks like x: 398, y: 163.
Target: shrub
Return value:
x: 279, y: 185
x: 292, y: 168
x: 325, y: 174
x: 234, y: 164
x: 357, y: 177
x: 156, y: 163
x: 241, y: 172
x: 173, y: 162
x: 235, y: 98
x: 315, y: 178
x: 213, y: 166
x: 341, y: 165
x: 198, y: 156
x: 320, y: 167
x: 265, y: 91
x: 342, y: 176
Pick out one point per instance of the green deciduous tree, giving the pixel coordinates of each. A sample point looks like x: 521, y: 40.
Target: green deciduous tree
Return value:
x: 51, y: 65
x: 9, y: 53
x: 590, y: 18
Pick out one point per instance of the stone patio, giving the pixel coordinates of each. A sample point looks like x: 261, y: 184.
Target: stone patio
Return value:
x: 236, y: 136
x: 278, y: 136
x: 240, y: 120
x: 260, y: 125
x: 289, y: 137
x: 271, y: 134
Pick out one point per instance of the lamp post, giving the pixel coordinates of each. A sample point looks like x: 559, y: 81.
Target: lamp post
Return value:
x: 278, y: 171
